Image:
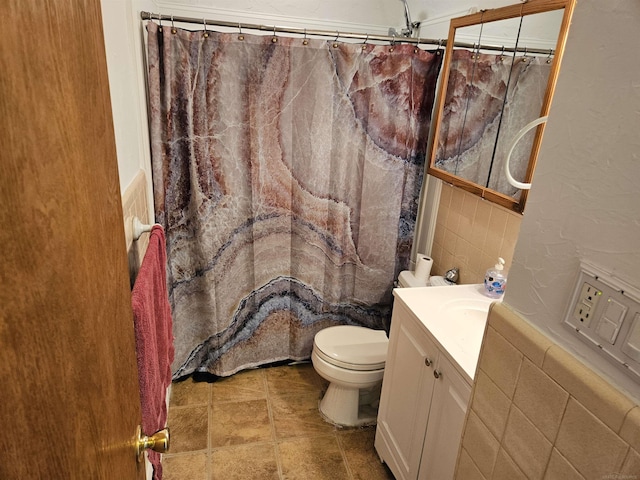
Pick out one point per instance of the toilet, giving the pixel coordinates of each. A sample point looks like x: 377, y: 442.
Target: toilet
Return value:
x: 352, y: 360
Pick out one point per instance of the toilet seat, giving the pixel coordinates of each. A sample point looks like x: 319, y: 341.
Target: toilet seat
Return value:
x: 352, y: 348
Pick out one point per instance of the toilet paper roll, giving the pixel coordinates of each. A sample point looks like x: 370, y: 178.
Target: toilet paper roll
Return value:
x: 423, y: 268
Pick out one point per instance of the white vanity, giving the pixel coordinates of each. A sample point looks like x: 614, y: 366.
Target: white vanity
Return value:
x: 434, y: 345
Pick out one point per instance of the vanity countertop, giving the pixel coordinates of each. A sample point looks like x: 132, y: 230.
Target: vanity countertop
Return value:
x: 455, y: 316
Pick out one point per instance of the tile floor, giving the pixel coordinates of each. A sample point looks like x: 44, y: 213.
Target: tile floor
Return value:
x: 263, y: 424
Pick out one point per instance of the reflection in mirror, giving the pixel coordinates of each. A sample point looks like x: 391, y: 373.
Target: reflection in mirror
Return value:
x: 493, y: 89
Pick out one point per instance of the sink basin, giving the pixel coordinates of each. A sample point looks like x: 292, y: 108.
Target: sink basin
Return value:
x: 455, y: 316
x: 468, y: 316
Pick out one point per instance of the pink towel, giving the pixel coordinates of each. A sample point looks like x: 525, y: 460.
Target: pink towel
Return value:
x: 154, y: 338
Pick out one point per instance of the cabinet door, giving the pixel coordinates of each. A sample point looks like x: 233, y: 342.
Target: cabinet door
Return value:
x: 406, y: 395
x: 444, y: 430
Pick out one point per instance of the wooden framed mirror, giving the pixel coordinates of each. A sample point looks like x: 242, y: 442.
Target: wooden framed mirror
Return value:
x: 499, y: 75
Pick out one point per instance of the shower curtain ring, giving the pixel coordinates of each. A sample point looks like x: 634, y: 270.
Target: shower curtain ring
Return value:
x: 524, y: 57
x: 393, y: 43
x: 173, y: 28
x: 240, y: 35
x: 502, y: 54
x: 335, y: 40
x: 364, y: 44
x: 549, y: 57
x: 274, y: 39
x: 439, y: 47
x: 304, y: 40
x: 473, y: 51
x: 160, y: 21
x: 205, y: 34
x: 415, y: 50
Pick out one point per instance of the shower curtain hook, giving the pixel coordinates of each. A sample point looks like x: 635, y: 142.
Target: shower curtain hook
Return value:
x: 415, y: 50
x: 274, y: 39
x: 205, y: 34
x: 502, y: 54
x: 393, y: 42
x: 473, y: 51
x: 549, y: 57
x: 240, y: 35
x: 524, y: 57
x: 364, y: 44
x: 439, y: 47
x: 335, y: 40
x: 173, y: 27
x: 304, y: 40
x: 160, y: 21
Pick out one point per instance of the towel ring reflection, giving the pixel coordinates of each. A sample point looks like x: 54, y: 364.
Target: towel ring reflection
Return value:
x: 519, y: 135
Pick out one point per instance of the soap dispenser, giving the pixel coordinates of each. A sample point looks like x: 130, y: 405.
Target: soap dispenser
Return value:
x: 495, y: 280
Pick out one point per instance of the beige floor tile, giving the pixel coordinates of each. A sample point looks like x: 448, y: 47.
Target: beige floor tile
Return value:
x: 291, y: 379
x: 246, y: 385
x: 188, y: 392
x: 316, y: 458
x: 234, y: 423
x: 244, y: 462
x: 192, y: 466
x: 362, y: 459
x: 188, y: 428
x: 298, y: 415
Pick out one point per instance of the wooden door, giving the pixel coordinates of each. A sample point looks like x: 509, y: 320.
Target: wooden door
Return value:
x: 69, y: 401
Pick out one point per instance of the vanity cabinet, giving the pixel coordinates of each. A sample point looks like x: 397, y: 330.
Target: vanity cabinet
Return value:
x: 422, y: 405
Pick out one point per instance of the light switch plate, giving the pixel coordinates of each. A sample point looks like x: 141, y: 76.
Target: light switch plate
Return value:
x: 604, y: 312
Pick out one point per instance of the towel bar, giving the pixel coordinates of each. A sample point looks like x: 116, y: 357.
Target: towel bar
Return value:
x: 138, y: 228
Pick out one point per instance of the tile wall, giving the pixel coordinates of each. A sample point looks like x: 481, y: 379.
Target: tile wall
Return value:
x: 471, y: 233
x: 536, y: 412
x: 134, y: 204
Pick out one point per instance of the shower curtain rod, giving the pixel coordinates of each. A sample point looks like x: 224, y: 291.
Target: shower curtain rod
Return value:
x: 336, y: 34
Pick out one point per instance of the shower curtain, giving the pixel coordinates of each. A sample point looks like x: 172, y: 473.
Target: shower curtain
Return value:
x: 479, y: 85
x: 286, y: 174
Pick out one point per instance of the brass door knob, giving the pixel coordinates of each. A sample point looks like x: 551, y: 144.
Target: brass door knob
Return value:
x: 158, y: 442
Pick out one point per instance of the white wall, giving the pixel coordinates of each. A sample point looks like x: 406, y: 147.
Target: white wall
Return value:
x: 585, y: 200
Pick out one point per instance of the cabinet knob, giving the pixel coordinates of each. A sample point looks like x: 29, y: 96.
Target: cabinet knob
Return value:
x: 428, y: 362
x: 437, y: 373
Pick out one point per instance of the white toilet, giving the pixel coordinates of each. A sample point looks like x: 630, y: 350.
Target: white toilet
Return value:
x: 352, y: 360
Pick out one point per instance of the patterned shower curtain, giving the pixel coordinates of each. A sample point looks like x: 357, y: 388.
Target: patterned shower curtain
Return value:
x: 286, y: 176
x: 471, y: 124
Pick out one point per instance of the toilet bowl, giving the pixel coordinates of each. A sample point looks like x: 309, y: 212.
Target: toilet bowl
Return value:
x: 352, y: 360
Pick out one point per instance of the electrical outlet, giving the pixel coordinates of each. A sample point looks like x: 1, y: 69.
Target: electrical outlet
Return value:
x: 611, y: 326
x: 586, y: 303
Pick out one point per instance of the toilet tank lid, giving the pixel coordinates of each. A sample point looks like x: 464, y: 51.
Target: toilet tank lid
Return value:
x: 353, y: 345
x: 408, y: 279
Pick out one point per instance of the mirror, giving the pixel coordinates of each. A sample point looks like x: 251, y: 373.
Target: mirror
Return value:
x: 499, y: 74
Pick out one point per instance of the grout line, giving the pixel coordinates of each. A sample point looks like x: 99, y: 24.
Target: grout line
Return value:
x: 272, y: 424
